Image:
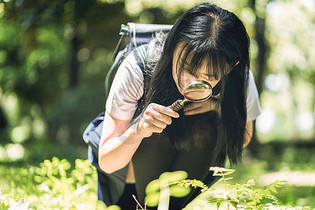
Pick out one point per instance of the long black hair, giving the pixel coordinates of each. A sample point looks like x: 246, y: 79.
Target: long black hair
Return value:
x: 217, y: 36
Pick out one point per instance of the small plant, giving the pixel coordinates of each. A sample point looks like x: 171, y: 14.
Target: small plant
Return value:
x: 8, y: 203
x: 159, y: 191
x: 231, y: 196
x: 54, y: 184
x: 243, y: 196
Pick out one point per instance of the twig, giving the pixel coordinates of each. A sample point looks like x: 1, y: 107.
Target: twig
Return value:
x: 134, y: 197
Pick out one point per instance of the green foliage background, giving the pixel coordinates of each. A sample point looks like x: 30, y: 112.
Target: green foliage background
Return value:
x: 54, y: 57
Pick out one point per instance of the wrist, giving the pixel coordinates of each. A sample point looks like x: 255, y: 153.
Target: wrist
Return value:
x: 136, y: 132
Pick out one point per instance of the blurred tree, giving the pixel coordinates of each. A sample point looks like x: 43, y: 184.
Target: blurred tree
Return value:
x: 3, y: 120
x: 43, y: 45
x: 259, y: 8
x: 54, y: 56
x: 289, y: 92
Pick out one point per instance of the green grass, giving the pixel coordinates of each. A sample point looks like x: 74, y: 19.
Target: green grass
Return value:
x: 70, y: 183
x: 54, y: 184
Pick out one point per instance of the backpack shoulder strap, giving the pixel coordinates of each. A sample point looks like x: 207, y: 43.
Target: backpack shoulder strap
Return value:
x: 136, y: 35
x: 140, y: 55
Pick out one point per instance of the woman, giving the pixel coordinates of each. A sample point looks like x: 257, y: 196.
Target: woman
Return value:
x: 206, y: 43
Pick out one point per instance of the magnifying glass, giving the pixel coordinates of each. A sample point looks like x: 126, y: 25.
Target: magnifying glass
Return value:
x: 196, y: 91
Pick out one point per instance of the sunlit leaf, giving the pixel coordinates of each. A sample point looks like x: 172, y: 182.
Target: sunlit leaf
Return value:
x: 153, y: 186
x: 153, y: 199
x: 174, y: 176
x: 113, y: 207
x: 179, y: 191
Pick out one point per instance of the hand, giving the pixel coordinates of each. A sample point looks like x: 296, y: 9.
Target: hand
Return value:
x: 202, y: 107
x: 155, y: 119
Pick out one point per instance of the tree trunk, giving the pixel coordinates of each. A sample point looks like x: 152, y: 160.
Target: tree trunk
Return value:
x: 3, y: 120
x: 74, y: 63
x: 260, y: 28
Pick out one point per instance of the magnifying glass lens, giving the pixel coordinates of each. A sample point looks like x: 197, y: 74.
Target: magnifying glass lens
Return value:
x: 196, y: 91
x: 197, y: 95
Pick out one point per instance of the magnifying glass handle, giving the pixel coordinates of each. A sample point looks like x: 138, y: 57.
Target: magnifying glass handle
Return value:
x: 177, y: 105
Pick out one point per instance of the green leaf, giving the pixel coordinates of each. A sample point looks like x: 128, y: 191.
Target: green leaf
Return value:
x: 113, y: 207
x: 251, y: 182
x: 153, y: 186
x: 179, y: 191
x: 153, y: 199
x: 174, y: 176
x: 234, y: 203
x: 252, y: 203
x: 273, y: 189
x: 219, y: 204
x: 100, y: 205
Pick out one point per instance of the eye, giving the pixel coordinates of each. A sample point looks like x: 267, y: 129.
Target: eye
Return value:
x: 215, y: 77
x: 210, y: 77
x: 193, y: 74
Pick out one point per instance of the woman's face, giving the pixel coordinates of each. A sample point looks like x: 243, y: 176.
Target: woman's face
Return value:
x: 186, y: 78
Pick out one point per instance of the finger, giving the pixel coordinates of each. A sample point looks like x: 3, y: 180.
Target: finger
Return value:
x: 162, y: 117
x: 148, y: 129
x: 152, y: 127
x: 159, y: 124
x: 165, y: 110
x: 151, y: 120
x: 159, y: 116
x: 156, y: 129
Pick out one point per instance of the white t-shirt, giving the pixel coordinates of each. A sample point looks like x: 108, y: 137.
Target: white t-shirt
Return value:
x: 127, y: 89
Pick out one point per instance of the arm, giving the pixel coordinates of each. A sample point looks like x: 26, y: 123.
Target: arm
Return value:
x: 113, y: 143
x: 119, y: 142
x: 248, y: 133
x: 119, y: 139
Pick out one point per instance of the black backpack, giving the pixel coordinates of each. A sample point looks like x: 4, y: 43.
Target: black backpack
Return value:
x: 132, y: 35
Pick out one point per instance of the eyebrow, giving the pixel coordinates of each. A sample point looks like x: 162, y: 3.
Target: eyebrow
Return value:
x: 210, y: 75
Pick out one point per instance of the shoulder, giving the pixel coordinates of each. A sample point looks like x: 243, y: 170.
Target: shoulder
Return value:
x: 127, y: 86
x: 251, y: 89
x: 251, y: 76
x: 132, y: 66
x: 140, y: 52
x: 252, y: 99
